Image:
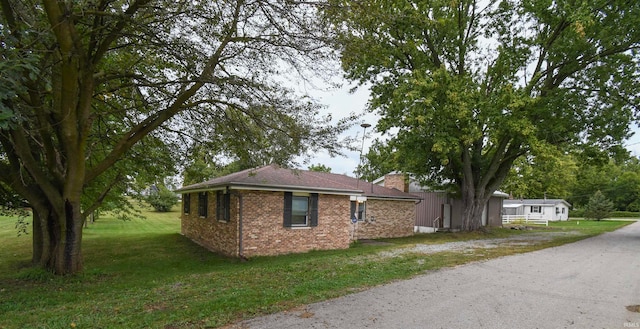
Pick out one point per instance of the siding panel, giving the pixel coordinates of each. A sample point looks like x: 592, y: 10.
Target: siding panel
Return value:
x: 430, y: 208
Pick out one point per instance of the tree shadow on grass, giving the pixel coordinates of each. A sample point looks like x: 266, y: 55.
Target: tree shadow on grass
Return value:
x: 133, y: 256
x: 159, y: 253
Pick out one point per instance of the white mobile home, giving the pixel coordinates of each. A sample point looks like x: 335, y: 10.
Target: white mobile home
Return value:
x: 548, y: 209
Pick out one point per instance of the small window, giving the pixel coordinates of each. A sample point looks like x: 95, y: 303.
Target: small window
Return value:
x: 223, y: 205
x: 202, y: 204
x: 361, y: 210
x: 557, y: 210
x: 358, y: 210
x: 300, y: 210
x: 536, y: 209
x: 563, y: 210
x: 186, y: 203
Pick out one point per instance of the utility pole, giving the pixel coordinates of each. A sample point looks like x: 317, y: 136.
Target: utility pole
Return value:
x: 364, y: 133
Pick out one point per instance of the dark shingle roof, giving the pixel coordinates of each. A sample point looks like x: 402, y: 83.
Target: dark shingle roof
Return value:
x: 273, y: 177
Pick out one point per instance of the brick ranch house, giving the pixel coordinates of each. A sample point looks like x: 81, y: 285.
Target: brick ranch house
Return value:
x: 272, y: 210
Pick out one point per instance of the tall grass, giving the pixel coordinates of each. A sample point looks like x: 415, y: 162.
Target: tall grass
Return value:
x: 143, y: 274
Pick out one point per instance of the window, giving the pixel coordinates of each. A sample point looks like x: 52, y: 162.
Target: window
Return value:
x: 202, y: 204
x: 186, y: 203
x: 358, y: 210
x: 223, y: 205
x: 563, y: 210
x: 536, y: 209
x: 557, y: 210
x: 300, y: 210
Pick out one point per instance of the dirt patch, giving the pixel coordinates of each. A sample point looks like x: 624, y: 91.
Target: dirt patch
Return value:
x: 634, y: 308
x: 306, y: 315
x: 466, y: 246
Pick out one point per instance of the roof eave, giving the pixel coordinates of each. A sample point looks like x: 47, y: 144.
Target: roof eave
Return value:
x: 263, y: 187
x: 392, y: 198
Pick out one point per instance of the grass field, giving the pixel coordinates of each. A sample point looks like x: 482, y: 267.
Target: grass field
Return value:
x: 143, y: 274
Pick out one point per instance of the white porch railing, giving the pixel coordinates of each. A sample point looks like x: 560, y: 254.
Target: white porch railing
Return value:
x: 528, y: 218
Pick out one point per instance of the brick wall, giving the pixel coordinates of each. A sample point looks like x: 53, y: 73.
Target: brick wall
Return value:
x: 392, y: 219
x: 264, y: 233
x: 262, y: 227
x: 220, y: 237
x: 396, y: 181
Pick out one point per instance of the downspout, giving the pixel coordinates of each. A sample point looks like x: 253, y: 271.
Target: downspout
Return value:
x: 241, y: 206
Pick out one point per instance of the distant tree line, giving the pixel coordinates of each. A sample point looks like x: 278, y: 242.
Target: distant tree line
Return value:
x: 577, y: 178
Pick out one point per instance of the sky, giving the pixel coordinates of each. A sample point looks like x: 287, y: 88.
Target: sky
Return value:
x: 340, y: 102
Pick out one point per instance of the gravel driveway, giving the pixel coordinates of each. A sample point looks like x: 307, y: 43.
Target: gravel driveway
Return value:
x: 593, y: 283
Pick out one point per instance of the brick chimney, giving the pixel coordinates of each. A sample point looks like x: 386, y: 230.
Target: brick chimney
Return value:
x: 397, y: 181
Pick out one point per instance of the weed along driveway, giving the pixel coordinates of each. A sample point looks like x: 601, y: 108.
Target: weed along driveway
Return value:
x: 593, y: 283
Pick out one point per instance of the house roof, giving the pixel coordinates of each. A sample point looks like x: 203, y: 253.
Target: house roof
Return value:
x: 533, y: 202
x: 275, y: 178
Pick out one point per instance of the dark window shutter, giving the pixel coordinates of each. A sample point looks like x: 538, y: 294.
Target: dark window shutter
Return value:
x: 288, y: 200
x: 205, y: 204
x: 219, y: 205
x: 223, y: 206
x: 313, y: 211
x: 227, y: 207
x: 186, y: 201
x: 202, y: 204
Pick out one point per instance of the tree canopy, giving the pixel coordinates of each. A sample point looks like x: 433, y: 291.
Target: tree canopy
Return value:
x: 617, y: 181
x: 99, y: 95
x: 319, y: 168
x: 544, y: 173
x: 379, y: 161
x: 466, y: 87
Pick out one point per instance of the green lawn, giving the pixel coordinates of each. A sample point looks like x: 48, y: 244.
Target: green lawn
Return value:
x: 143, y: 274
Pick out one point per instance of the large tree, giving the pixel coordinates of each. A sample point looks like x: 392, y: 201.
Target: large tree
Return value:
x: 92, y: 91
x: 466, y: 87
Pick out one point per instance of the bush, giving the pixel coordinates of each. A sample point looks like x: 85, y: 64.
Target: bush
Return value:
x: 579, y: 213
x: 599, y: 207
x: 162, y: 200
x: 625, y: 214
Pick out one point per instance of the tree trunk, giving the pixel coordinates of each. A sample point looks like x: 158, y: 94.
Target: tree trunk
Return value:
x: 472, y: 212
x: 57, y: 239
x: 474, y: 201
x: 478, y: 182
